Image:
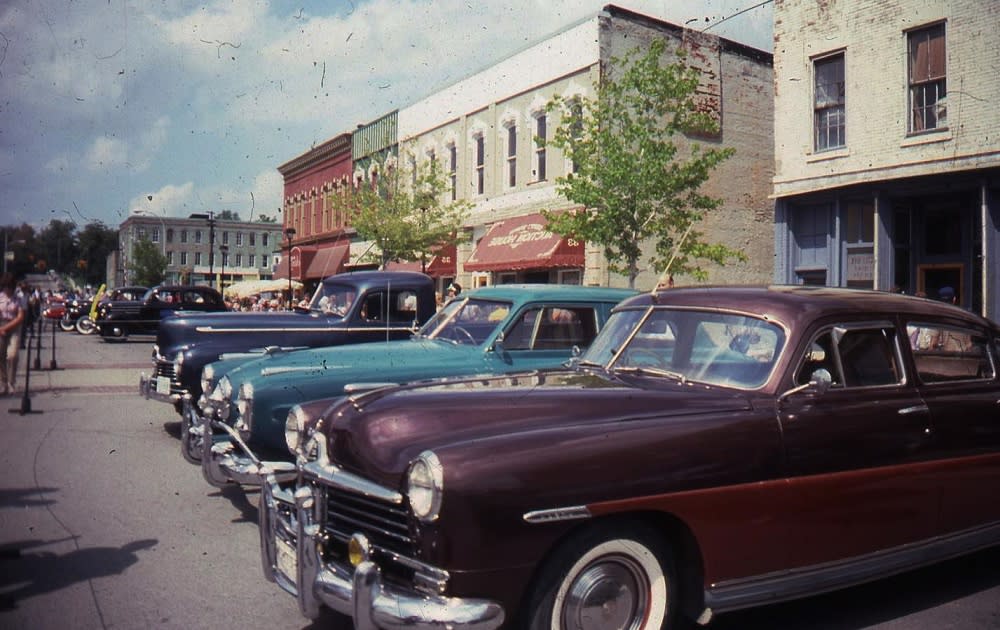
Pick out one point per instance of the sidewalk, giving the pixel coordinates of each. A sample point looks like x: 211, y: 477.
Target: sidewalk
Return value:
x: 74, y: 363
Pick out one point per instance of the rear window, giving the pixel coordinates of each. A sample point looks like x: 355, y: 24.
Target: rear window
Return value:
x: 948, y: 354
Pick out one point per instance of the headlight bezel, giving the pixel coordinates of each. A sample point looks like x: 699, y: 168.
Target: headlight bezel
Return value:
x: 425, y: 486
x: 244, y: 407
x: 295, y: 429
x: 207, y: 379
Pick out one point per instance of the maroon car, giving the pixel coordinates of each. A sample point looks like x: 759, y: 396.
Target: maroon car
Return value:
x: 716, y: 448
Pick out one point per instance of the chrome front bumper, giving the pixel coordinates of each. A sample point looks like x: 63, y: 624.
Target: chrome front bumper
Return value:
x: 157, y: 388
x: 287, y: 523
x: 227, y: 458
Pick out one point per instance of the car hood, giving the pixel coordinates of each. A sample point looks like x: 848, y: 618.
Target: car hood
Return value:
x: 189, y: 328
x: 379, y: 433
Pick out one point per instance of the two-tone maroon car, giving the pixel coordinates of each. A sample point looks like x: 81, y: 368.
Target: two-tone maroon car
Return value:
x: 716, y: 448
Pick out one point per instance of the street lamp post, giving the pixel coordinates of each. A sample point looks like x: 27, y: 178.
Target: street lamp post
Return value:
x: 289, y: 233
x: 224, y: 250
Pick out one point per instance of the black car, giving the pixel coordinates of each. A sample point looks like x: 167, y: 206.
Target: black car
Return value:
x: 118, y: 319
x: 346, y: 308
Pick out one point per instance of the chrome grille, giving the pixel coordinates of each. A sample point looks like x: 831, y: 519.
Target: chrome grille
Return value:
x: 163, y: 367
x: 384, y: 524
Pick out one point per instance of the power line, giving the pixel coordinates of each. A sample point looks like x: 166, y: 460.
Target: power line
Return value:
x: 737, y: 14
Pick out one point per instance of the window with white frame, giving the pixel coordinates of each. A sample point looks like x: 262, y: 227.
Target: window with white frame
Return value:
x: 239, y: 260
x: 540, y: 138
x: 253, y: 239
x: 197, y: 257
x: 239, y: 238
x: 197, y: 236
x: 225, y: 237
x: 170, y: 257
x: 453, y: 170
x: 184, y: 236
x: 253, y: 260
x: 511, y: 154
x: 829, y: 103
x: 264, y: 239
x: 155, y: 235
x: 928, y: 85
x: 480, y: 144
x: 140, y: 234
x: 184, y: 258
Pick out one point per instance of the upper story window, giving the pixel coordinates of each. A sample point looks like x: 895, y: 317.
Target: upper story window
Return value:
x: 155, y: 235
x: 253, y: 239
x: 197, y: 257
x: 927, y: 79
x: 184, y: 258
x: 511, y: 155
x: 225, y: 237
x: 239, y: 238
x: 540, y: 138
x: 170, y: 235
x: 140, y: 233
x: 184, y: 236
x: 264, y: 239
x: 197, y: 236
x: 828, y: 103
x: 453, y: 170
x: 480, y: 143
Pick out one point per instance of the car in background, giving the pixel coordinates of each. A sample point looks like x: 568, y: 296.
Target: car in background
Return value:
x: 716, y: 448
x: 488, y: 330
x: 121, y: 318
x: 347, y: 308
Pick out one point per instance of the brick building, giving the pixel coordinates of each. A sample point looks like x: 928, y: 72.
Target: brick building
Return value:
x: 481, y: 130
x: 887, y: 160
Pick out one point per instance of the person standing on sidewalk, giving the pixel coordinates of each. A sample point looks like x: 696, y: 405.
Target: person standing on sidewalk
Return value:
x: 11, y: 318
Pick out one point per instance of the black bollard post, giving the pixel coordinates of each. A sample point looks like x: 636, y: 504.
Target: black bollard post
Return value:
x: 52, y: 363
x: 25, y: 407
x: 38, y: 346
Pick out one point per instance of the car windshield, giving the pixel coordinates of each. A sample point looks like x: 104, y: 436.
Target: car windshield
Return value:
x: 333, y: 299
x: 469, y: 321
x: 719, y: 348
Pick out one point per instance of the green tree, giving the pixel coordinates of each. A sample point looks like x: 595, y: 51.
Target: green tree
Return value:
x: 96, y: 242
x: 402, y: 211
x: 148, y: 264
x: 58, y: 247
x: 228, y: 215
x: 634, y: 182
x: 263, y: 218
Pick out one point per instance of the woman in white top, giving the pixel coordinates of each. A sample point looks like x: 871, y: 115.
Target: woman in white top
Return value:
x: 11, y: 317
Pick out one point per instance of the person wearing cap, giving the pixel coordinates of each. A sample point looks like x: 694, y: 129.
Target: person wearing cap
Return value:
x: 947, y: 294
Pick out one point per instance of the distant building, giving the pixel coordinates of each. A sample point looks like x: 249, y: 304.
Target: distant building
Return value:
x: 887, y: 156
x: 200, y: 248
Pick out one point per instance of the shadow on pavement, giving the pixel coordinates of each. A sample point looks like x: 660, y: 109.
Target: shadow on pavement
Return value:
x: 237, y: 495
x: 24, y: 575
x: 25, y: 497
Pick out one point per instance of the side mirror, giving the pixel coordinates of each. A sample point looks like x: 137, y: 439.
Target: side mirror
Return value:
x: 498, y: 343
x: 819, y: 382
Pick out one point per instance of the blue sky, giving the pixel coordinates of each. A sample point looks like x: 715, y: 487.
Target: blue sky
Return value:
x: 173, y: 107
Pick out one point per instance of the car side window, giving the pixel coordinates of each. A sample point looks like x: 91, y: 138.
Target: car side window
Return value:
x: 947, y: 353
x: 561, y: 328
x: 854, y: 357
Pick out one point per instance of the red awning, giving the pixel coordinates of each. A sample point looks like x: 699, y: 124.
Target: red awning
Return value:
x: 442, y: 264
x: 524, y: 243
x: 313, y: 263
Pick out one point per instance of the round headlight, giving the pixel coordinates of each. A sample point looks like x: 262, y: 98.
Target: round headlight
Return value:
x: 224, y: 390
x: 244, y: 405
x: 424, y: 486
x: 295, y: 429
x: 207, y: 378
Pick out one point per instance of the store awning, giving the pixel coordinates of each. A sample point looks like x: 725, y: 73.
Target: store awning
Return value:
x: 524, y: 243
x: 314, y: 263
x: 441, y: 264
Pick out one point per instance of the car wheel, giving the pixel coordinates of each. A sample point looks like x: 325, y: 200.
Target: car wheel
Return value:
x: 606, y: 578
x: 66, y: 323
x: 85, y: 326
x: 190, y: 439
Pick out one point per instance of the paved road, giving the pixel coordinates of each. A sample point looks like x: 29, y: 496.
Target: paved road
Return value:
x: 103, y: 525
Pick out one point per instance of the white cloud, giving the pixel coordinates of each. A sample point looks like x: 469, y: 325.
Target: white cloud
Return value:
x: 169, y: 201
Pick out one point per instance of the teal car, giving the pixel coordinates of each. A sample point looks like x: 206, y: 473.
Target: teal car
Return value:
x: 490, y: 330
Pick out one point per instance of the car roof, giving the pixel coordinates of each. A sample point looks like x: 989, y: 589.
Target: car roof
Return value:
x: 792, y: 303
x: 549, y: 292
x: 367, y: 277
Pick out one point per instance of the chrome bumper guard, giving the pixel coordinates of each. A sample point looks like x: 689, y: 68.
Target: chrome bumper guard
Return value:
x: 149, y: 388
x: 227, y: 458
x: 287, y: 520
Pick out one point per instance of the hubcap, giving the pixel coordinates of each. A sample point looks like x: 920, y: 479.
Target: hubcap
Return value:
x: 612, y: 593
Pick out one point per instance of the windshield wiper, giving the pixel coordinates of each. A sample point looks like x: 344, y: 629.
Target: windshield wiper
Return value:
x: 650, y: 371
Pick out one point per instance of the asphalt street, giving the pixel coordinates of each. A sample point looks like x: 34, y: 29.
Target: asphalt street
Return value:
x: 104, y: 525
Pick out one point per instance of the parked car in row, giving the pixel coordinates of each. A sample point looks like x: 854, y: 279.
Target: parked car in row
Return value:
x: 715, y: 448
x: 120, y: 318
x: 348, y: 308
x: 489, y: 330
x: 79, y: 310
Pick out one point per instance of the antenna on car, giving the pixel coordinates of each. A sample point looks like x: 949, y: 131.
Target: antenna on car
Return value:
x: 666, y: 278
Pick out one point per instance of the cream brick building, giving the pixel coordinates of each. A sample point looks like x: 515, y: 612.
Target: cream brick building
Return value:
x: 482, y: 131
x: 887, y: 156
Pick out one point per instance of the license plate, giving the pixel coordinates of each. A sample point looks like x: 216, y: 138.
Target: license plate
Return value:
x: 162, y: 385
x: 285, y: 559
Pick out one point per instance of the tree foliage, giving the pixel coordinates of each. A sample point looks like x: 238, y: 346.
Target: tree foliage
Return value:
x: 78, y: 255
x: 633, y: 181
x: 148, y: 264
x: 264, y: 218
x: 402, y: 211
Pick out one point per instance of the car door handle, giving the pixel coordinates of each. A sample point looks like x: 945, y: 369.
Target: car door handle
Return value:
x: 905, y: 411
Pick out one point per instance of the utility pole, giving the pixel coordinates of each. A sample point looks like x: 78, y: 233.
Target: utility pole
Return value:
x: 211, y: 247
